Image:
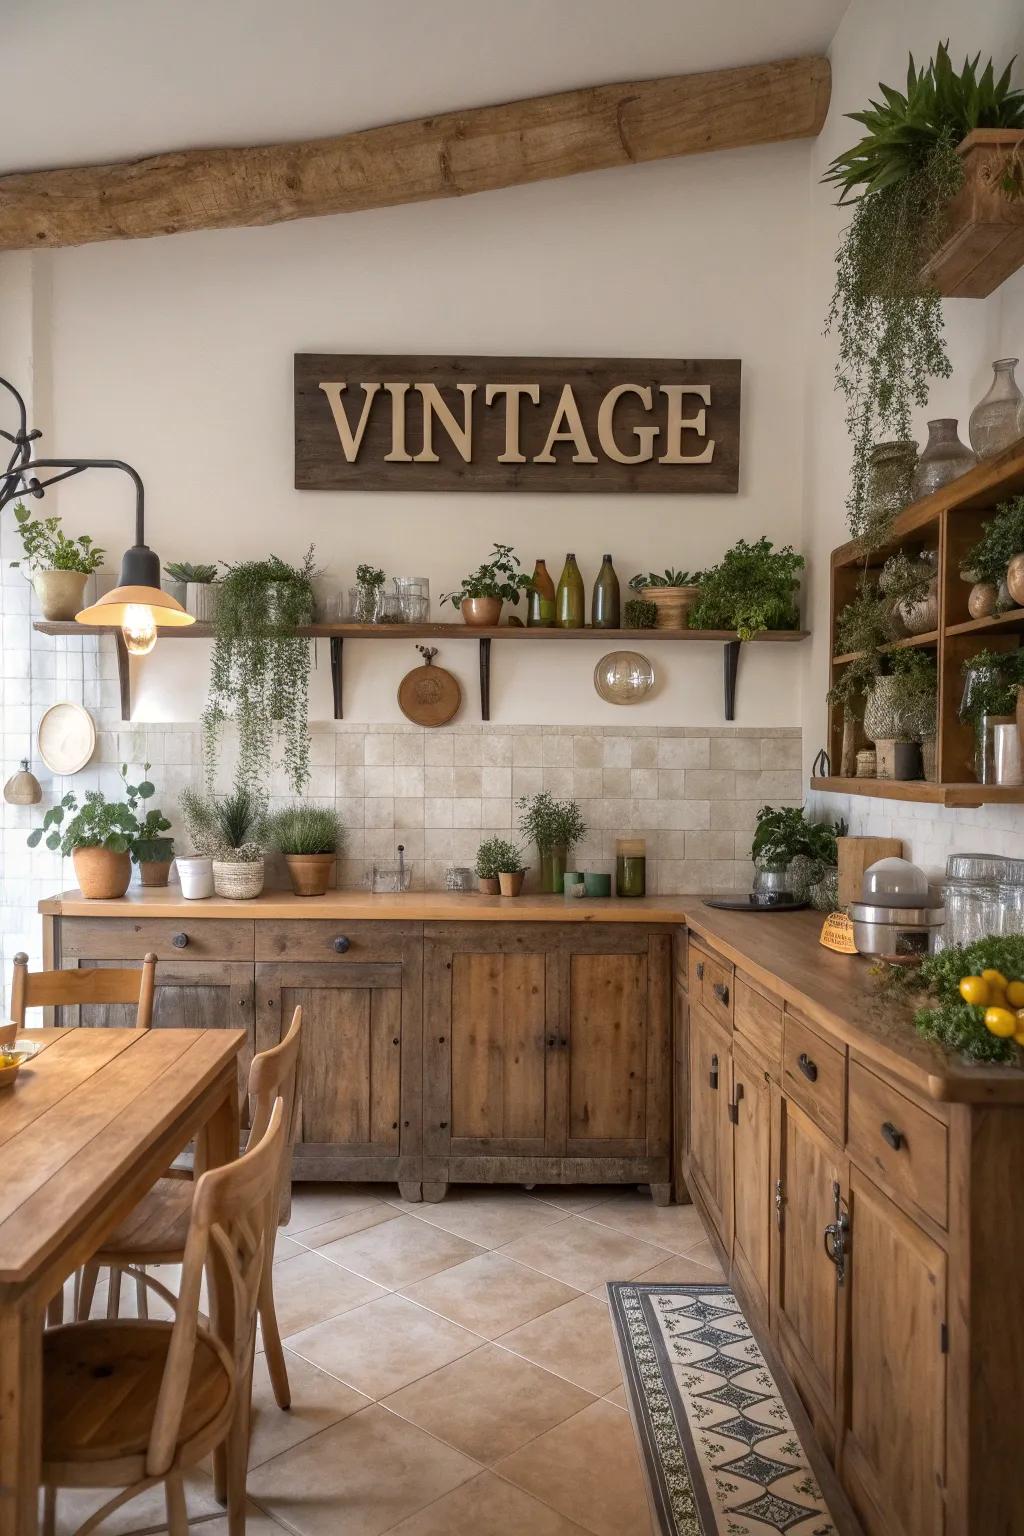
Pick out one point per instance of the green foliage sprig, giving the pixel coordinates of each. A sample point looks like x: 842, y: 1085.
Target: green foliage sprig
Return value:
x: 97, y: 822
x: 637, y: 614
x: 667, y: 578
x: 753, y: 588
x: 1001, y: 539
x: 946, y: 1018
x: 48, y: 549
x: 550, y: 823
x: 303, y: 829
x: 904, y: 580
x: 784, y: 832
x: 184, y: 570
x: 369, y: 576
x: 497, y: 856
x: 500, y: 576
x: 259, y: 670
x: 231, y: 828
x: 915, y: 694
x: 997, y: 677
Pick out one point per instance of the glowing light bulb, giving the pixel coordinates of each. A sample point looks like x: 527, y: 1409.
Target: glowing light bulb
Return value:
x: 139, y: 629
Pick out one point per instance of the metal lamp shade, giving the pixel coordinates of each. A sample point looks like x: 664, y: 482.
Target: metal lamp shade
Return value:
x: 111, y: 609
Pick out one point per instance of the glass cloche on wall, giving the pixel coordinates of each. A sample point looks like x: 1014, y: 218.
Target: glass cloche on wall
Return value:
x: 623, y: 677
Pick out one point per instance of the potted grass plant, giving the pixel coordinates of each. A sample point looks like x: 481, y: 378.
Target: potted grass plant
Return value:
x: 484, y: 592
x: 58, y: 567
x: 310, y: 837
x: 556, y: 826
x: 230, y: 829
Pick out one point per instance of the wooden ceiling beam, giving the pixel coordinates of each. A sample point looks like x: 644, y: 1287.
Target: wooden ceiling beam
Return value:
x: 448, y: 156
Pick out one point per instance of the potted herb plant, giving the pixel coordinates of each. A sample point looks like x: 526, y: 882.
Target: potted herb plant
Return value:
x: 232, y: 830
x: 992, y: 686
x: 796, y: 851
x: 912, y: 590
x: 672, y: 592
x: 259, y: 670
x: 915, y: 695
x: 487, y: 861
x: 752, y: 588
x: 506, y: 860
x: 997, y: 560
x: 368, y: 594
x: 58, y: 567
x: 556, y: 826
x: 151, y: 850
x: 903, y: 176
x: 484, y: 592
x: 195, y: 586
x: 310, y: 837
x: 98, y: 837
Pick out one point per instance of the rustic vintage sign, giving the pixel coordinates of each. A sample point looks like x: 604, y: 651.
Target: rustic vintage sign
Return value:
x: 384, y: 423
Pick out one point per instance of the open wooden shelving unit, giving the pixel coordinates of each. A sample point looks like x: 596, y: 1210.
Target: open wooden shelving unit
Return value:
x: 337, y: 634
x: 951, y: 519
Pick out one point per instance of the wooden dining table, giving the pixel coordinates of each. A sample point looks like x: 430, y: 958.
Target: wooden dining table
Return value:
x: 89, y: 1124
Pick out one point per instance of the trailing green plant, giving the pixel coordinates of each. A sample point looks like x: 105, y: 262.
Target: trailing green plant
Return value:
x: 231, y: 828
x: 47, y: 548
x: 998, y: 676
x: 887, y: 321
x: 303, y: 829
x: 782, y: 833
x: 667, y: 578
x: 915, y: 694
x: 953, y: 1023
x: 259, y: 670
x: 184, y: 570
x: 550, y: 823
x: 865, y: 623
x: 637, y: 614
x: 497, y: 856
x: 1001, y: 538
x: 752, y: 588
x: 97, y: 822
x: 500, y: 576
x: 904, y: 580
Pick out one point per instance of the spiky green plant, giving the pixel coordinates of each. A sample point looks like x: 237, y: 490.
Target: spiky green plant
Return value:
x: 228, y: 827
x: 306, y: 829
x: 184, y: 570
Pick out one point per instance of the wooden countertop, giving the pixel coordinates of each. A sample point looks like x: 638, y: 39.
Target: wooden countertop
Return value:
x: 777, y: 950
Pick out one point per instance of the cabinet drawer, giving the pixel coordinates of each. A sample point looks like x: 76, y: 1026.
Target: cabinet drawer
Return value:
x: 893, y: 1137
x: 125, y: 938
x: 759, y: 1020
x: 814, y: 1076
x: 711, y: 984
x: 332, y: 939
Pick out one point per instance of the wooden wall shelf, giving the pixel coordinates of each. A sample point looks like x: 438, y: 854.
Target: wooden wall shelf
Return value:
x: 950, y: 520
x: 337, y: 634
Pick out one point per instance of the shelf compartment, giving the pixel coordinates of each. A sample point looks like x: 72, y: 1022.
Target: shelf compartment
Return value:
x: 1009, y: 623
x: 908, y: 643
x: 964, y: 796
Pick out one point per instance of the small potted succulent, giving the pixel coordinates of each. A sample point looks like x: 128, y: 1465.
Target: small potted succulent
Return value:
x: 310, y: 837
x: 195, y: 586
x: 483, y: 593
x: 98, y: 838
x: 231, y: 830
x: 58, y: 567
x: 506, y: 860
x: 556, y: 826
x: 672, y: 593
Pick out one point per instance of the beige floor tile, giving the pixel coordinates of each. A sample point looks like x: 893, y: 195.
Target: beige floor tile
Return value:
x: 317, y: 1401
x: 587, y: 1469
x: 343, y: 1226
x: 313, y: 1204
x: 285, y: 1248
x: 487, y: 1506
x: 574, y: 1341
x: 679, y: 1269
x: 580, y: 1253
x: 488, y: 1403
x: 487, y: 1216
x: 573, y: 1198
x: 74, y: 1505
x: 618, y: 1397
x: 675, y: 1227
x: 359, y: 1477
x: 705, y: 1253
x: 490, y: 1294
x: 400, y: 1252
x: 383, y: 1346
x: 308, y: 1289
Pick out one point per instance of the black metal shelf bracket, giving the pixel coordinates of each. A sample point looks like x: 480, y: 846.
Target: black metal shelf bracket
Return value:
x: 337, y: 641
x: 485, y: 678
x: 731, y: 657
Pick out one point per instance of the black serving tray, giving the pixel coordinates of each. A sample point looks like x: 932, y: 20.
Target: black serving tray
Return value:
x: 750, y: 903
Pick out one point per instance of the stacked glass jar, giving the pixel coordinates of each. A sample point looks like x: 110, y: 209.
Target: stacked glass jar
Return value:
x: 983, y: 894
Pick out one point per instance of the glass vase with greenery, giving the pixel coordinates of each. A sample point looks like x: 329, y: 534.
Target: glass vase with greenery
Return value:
x: 784, y: 840
x: 753, y: 588
x: 368, y: 594
x: 901, y: 175
x: 992, y: 681
x: 556, y: 826
x: 259, y: 670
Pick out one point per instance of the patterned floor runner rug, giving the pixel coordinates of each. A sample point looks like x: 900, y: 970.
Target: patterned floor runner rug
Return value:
x: 720, y: 1452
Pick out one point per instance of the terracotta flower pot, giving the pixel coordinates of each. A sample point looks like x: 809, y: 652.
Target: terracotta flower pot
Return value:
x: 101, y: 874
x: 310, y: 872
x: 155, y: 871
x: 488, y: 887
x: 60, y: 593
x: 510, y: 883
x: 481, y: 611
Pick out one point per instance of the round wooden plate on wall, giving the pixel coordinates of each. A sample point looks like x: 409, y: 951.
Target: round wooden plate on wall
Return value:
x: 429, y: 695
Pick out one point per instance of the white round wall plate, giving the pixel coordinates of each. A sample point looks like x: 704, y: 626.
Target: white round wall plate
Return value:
x: 67, y: 738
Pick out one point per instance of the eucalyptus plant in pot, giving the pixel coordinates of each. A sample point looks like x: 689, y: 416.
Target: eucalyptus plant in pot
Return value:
x: 99, y: 837
x: 484, y: 591
x: 231, y: 830
x: 310, y: 837
x: 259, y: 670
x: 58, y: 567
x: 556, y: 826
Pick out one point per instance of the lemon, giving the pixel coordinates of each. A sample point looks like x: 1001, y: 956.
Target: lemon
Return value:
x: 1001, y: 1022
x: 975, y: 990
x: 995, y: 978
x: 1015, y: 994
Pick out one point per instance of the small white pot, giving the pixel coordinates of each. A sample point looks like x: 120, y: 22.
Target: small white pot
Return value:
x: 201, y: 599
x: 196, y: 876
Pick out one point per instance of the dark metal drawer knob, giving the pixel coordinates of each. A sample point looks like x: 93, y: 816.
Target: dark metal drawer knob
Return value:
x: 341, y: 944
x: 179, y: 940
x: 721, y: 992
x: 892, y: 1135
x: 808, y: 1067
x: 700, y: 970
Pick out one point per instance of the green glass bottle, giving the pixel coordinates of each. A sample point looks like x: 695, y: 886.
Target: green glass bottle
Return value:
x: 604, y: 608
x: 570, y: 599
x: 540, y: 601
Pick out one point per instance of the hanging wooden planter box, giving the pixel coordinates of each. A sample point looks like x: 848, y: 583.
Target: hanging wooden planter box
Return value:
x: 985, y: 244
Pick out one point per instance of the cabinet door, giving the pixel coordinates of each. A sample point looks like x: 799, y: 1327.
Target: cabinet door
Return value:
x: 893, y: 1454
x: 710, y: 1138
x: 751, y: 1161
x: 806, y: 1286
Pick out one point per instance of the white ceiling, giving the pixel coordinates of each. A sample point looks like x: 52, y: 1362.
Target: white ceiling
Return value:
x: 90, y: 80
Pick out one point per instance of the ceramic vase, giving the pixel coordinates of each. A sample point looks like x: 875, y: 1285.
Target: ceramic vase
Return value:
x: 890, y: 486
x: 60, y: 593
x: 998, y: 418
x: 945, y: 458
x: 196, y: 876
x: 552, y: 869
x: 510, y: 882
x: 201, y: 599
x: 481, y: 612
x: 983, y: 600
x: 487, y: 886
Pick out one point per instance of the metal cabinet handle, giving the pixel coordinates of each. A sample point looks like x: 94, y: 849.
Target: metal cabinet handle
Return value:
x: 713, y: 1074
x: 179, y: 940
x: 836, y: 1234
x: 341, y: 944
x: 721, y: 991
x: 734, y: 1107
x: 892, y: 1135
x: 808, y: 1067
x: 700, y: 970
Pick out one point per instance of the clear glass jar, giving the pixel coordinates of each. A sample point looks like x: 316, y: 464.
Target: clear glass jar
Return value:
x: 365, y: 603
x: 998, y: 418
x: 971, y: 892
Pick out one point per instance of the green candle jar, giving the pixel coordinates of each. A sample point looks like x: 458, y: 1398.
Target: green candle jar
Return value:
x: 630, y: 866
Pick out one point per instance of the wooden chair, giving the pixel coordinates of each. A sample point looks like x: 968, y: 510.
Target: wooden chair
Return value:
x: 157, y: 1229
x: 62, y: 989
x: 128, y: 1404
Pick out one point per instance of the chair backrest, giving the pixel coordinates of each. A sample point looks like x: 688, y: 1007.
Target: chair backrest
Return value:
x: 273, y: 1075
x: 94, y: 984
x: 228, y: 1238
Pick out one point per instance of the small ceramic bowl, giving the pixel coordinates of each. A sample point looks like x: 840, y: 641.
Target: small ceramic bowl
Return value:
x: 12, y: 1060
x: 597, y: 884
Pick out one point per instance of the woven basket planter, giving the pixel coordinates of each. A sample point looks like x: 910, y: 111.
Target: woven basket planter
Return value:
x: 673, y: 604
x: 238, y: 882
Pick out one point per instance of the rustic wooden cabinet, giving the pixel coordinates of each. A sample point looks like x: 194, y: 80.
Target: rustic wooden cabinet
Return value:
x: 710, y: 1131
x: 751, y: 1116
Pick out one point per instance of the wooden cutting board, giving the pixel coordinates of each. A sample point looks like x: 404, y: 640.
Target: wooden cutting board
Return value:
x: 429, y: 695
x: 856, y: 854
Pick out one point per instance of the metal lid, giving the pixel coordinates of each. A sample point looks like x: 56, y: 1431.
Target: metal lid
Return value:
x: 898, y: 917
x: 979, y: 868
